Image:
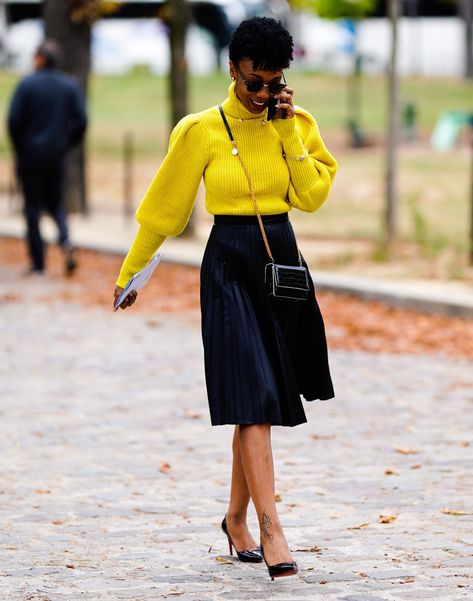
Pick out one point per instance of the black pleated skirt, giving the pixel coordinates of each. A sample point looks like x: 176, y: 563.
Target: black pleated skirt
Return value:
x: 260, y: 354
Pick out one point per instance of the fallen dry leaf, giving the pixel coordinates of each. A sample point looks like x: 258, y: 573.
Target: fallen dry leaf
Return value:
x: 57, y: 522
x: 42, y: 491
x: 9, y: 297
x: 277, y: 498
x: 405, y: 451
x: 407, y: 580
x: 143, y: 511
x: 391, y: 473
x: 165, y: 468
x: 369, y: 326
x: 221, y: 559
x: 416, y: 466
x: 365, y: 525
x: 455, y: 512
x: 153, y: 323
x: 386, y: 519
x: 71, y: 566
x: 323, y: 436
x: 309, y: 550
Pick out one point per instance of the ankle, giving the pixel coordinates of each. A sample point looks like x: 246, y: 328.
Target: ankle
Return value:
x: 236, y: 517
x: 271, y: 530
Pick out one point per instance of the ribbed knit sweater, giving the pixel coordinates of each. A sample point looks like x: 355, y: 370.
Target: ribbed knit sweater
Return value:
x: 287, y: 160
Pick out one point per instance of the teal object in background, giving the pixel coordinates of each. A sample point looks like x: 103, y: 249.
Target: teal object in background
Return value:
x: 447, y: 130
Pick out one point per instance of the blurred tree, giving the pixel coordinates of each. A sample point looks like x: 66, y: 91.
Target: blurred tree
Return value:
x: 466, y: 8
x: 3, y: 34
x: 338, y: 9
x: 69, y: 22
x: 176, y: 15
x: 394, y: 8
x: 72, y: 32
x: 356, y: 9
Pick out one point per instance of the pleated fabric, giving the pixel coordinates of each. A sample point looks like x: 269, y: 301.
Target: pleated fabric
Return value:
x: 260, y: 354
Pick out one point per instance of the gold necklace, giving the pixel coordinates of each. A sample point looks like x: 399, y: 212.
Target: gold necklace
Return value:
x: 240, y: 118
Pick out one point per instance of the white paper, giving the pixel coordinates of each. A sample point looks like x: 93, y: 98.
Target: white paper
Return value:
x: 139, y: 280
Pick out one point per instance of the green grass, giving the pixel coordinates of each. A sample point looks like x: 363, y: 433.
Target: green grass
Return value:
x: 433, y: 187
x: 138, y: 102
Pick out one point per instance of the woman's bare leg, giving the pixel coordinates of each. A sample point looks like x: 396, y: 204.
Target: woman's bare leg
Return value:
x: 257, y: 460
x: 239, y: 499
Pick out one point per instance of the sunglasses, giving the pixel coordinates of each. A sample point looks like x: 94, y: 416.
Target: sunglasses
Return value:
x: 255, y: 86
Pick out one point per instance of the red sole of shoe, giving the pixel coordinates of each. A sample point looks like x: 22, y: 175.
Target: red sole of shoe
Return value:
x: 288, y: 573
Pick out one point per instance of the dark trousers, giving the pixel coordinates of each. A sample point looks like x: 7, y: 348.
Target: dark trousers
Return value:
x: 43, y: 189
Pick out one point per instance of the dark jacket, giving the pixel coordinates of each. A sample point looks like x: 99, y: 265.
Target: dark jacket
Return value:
x: 46, y: 116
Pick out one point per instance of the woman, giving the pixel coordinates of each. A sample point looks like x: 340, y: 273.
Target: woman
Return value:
x: 261, y: 354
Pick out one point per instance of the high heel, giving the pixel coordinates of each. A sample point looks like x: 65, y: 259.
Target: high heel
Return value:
x: 286, y: 568
x: 250, y: 555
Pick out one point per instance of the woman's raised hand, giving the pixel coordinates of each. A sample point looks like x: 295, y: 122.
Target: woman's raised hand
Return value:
x: 130, y: 299
x: 285, y: 104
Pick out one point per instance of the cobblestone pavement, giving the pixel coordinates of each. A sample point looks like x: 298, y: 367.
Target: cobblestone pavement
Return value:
x: 113, y: 483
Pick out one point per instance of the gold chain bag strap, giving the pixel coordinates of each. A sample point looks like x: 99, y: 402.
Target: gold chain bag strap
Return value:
x: 285, y: 282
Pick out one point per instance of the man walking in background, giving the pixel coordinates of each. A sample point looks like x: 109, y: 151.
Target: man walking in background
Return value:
x: 46, y: 118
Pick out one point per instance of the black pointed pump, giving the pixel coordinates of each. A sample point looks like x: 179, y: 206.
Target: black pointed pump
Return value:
x: 286, y: 568
x: 250, y: 555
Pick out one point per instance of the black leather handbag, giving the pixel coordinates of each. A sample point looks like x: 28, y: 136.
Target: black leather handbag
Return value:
x: 284, y: 282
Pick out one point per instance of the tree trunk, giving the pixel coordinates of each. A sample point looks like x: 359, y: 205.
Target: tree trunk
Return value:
x: 471, y: 195
x: 73, y: 36
x: 467, y: 11
x: 393, y: 130
x: 3, y: 35
x: 178, y: 21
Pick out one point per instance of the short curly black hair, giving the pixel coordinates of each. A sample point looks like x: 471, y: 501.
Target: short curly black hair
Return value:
x: 265, y: 41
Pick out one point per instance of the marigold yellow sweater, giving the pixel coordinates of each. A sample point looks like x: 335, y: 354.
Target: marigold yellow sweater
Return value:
x: 200, y: 147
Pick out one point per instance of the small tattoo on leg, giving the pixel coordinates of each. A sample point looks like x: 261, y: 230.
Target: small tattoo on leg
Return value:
x: 265, y: 525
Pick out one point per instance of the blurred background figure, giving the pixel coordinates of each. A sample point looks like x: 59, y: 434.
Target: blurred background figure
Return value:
x: 46, y: 118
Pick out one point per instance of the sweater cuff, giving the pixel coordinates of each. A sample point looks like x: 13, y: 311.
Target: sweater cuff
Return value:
x: 290, y: 137
x: 143, y: 248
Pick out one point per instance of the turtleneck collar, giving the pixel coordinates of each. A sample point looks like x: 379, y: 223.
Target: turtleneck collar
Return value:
x: 235, y: 108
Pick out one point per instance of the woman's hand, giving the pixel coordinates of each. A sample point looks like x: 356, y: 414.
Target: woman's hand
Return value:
x: 285, y: 104
x: 130, y: 299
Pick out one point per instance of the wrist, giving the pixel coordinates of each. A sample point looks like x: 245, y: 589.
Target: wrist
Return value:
x: 293, y: 148
x: 285, y: 127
